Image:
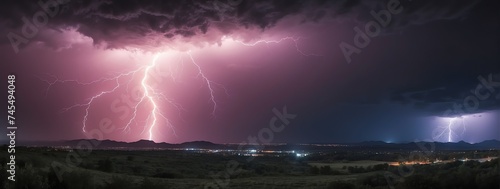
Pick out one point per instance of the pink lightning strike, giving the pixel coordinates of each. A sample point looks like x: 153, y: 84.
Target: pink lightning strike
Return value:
x: 150, y: 95
x: 208, y: 82
x: 147, y: 95
x: 91, y: 99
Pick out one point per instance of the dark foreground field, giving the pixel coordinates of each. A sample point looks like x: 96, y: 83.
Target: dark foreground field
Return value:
x: 120, y: 169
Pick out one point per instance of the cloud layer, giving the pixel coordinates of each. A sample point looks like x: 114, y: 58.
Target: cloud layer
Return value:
x: 147, y: 24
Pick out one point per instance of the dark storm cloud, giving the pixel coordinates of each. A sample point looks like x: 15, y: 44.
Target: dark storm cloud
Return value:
x: 481, y: 93
x: 127, y: 22
x: 417, y: 12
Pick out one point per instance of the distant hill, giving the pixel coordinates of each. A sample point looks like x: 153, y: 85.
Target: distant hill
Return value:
x: 372, y: 145
x: 117, y: 144
x: 200, y: 144
x: 422, y: 146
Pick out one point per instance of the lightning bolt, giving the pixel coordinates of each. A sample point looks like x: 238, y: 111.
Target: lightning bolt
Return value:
x: 147, y: 89
x: 207, y: 82
x: 449, y: 131
x: 463, y: 124
x: 90, y: 100
x: 150, y: 95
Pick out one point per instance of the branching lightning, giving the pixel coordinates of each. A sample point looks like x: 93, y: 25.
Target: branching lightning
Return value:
x: 147, y: 89
x: 90, y: 100
x: 150, y: 96
x: 208, y: 83
x: 451, y: 131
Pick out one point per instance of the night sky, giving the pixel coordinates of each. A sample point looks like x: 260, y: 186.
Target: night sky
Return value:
x: 215, y: 70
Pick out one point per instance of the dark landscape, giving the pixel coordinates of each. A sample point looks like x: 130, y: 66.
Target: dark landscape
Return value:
x: 201, y: 164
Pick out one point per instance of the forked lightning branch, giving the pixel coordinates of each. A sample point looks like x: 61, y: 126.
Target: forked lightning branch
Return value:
x: 150, y: 96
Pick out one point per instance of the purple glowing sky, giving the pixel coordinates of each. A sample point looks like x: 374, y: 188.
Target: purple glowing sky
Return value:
x: 219, y: 73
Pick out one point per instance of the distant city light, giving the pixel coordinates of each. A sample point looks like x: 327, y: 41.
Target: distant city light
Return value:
x: 300, y: 155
